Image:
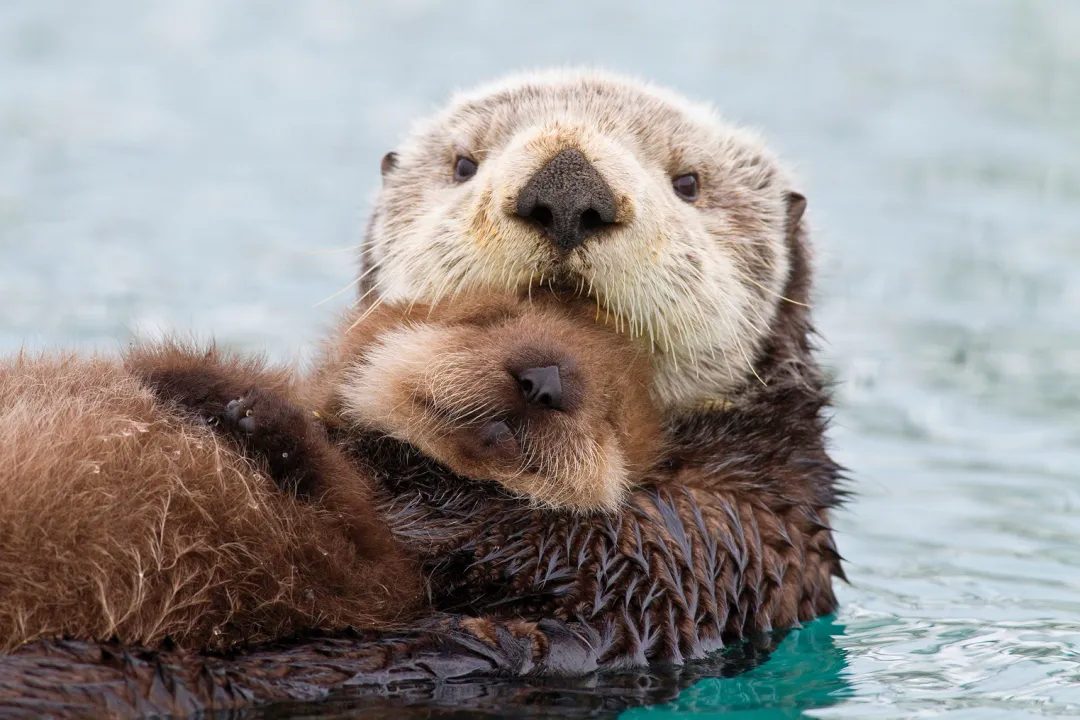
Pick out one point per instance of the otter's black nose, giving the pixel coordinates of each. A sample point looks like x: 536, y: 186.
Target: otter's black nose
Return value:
x: 567, y: 198
x: 542, y: 386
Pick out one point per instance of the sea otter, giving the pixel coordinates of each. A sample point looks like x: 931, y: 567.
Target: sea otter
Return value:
x: 122, y: 515
x: 690, y: 238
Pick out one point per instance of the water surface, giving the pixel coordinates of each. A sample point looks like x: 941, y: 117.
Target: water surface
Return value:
x: 197, y: 164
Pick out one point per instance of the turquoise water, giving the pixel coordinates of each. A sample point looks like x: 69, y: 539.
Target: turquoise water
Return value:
x: 198, y: 164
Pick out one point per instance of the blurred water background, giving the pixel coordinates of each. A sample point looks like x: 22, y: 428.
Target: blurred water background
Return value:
x: 197, y: 164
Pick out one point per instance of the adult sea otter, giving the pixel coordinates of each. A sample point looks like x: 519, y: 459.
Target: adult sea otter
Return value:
x: 690, y: 238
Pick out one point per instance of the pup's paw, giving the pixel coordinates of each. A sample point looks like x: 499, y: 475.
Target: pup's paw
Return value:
x: 241, y: 412
x: 273, y: 429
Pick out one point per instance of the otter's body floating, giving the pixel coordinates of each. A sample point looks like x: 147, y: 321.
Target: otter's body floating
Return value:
x: 705, y: 264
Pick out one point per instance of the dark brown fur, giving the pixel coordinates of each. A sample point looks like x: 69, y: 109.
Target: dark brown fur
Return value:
x: 728, y: 536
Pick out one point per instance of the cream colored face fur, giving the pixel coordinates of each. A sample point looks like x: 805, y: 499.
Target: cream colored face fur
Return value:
x: 446, y: 379
x: 698, y: 282
x: 564, y: 461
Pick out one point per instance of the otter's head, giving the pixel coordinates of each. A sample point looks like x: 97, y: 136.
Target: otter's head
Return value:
x: 675, y: 224
x: 536, y: 397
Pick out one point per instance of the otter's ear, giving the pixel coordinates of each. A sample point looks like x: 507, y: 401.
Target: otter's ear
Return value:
x: 796, y: 206
x: 797, y: 287
x: 389, y: 162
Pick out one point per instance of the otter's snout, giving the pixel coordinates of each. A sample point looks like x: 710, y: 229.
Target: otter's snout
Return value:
x: 542, y: 386
x: 568, y: 199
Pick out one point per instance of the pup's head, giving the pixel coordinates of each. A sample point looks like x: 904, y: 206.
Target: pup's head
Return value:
x: 540, y: 398
x: 676, y: 225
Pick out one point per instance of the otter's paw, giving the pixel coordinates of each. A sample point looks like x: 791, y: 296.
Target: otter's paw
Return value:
x: 241, y: 412
x: 272, y: 429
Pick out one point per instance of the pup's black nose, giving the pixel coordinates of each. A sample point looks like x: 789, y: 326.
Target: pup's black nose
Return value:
x: 542, y: 386
x: 568, y: 199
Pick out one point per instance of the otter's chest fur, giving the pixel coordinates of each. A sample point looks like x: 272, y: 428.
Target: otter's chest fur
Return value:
x: 685, y: 567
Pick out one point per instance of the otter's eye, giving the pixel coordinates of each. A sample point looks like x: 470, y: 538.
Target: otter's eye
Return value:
x: 686, y: 187
x: 464, y: 169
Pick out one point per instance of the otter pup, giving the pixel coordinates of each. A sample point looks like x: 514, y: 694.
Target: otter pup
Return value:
x: 120, y: 516
x: 535, y: 396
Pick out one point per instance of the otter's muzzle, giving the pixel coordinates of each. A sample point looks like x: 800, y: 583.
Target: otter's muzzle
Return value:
x: 568, y: 199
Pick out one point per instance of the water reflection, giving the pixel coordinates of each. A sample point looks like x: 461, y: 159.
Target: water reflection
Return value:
x: 783, y: 673
x: 808, y: 671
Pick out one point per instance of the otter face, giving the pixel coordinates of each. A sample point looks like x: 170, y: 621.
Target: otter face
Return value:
x: 537, y: 399
x: 672, y: 222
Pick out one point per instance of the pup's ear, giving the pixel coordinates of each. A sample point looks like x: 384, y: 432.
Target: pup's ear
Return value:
x: 389, y: 162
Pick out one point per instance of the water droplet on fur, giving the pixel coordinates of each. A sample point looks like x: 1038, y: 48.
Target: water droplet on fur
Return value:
x: 284, y: 455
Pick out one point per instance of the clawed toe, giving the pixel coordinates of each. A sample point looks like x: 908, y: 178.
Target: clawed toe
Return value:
x: 240, y: 413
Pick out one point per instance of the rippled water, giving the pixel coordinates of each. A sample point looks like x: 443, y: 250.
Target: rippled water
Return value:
x: 194, y: 164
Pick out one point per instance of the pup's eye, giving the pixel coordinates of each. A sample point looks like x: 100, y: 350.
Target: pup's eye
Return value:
x: 464, y: 169
x: 686, y: 187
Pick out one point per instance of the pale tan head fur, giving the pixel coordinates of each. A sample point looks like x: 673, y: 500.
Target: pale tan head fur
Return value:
x: 697, y: 283
x: 446, y: 379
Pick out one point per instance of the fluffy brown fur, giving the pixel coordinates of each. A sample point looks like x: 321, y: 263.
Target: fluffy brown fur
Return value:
x: 121, y: 513
x: 120, y: 517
